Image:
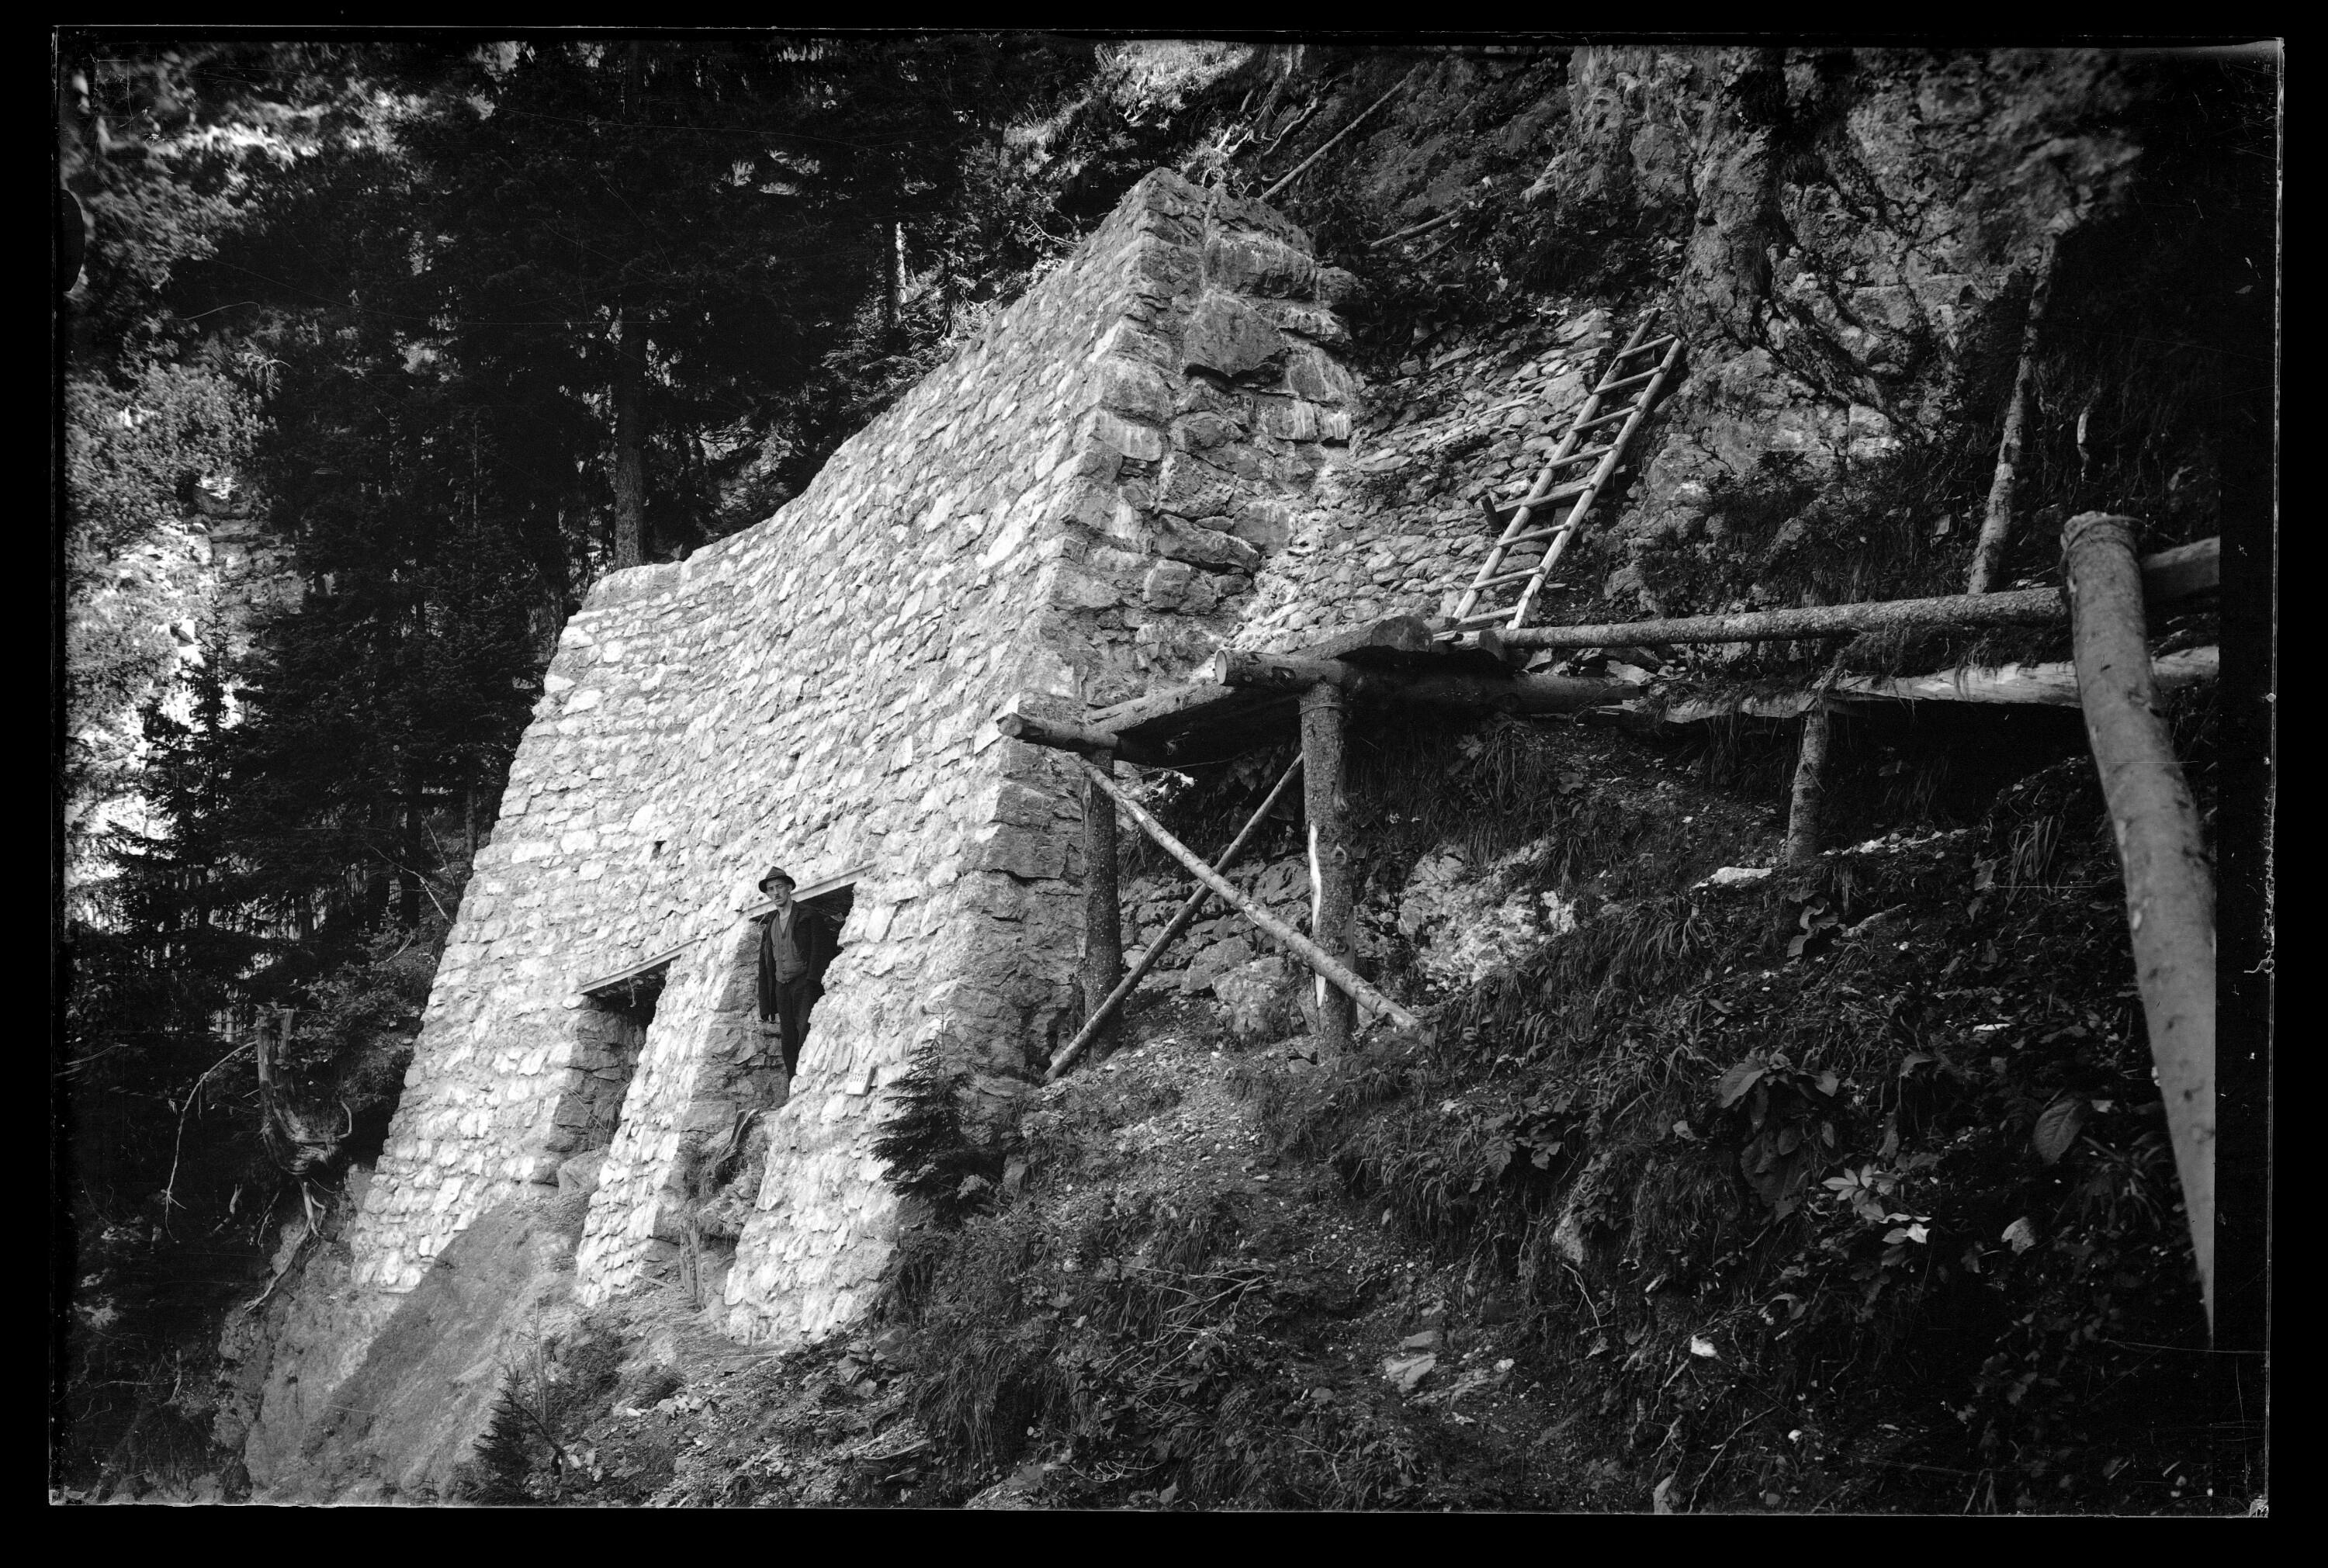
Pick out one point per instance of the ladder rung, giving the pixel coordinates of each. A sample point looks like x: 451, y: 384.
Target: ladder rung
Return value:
x: 1594, y: 452
x: 1532, y: 534
x: 1552, y: 497
x: 1629, y: 381
x: 1644, y: 348
x: 1624, y: 413
x: 1518, y: 577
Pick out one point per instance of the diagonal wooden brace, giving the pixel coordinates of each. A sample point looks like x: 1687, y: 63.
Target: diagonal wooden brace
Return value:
x: 1301, y: 946
x: 1172, y: 929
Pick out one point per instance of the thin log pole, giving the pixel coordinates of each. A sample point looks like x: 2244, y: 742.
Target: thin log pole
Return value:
x: 1301, y: 946
x: 1804, y: 814
x: 2170, y: 892
x: 1478, y: 693
x: 1413, y: 229
x: 1322, y: 717
x: 1065, y: 735
x: 1103, y: 905
x: 1302, y: 168
x: 2170, y: 575
x: 1996, y: 524
x: 1179, y: 922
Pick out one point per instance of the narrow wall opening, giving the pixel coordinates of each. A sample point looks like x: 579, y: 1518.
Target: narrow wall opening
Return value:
x: 723, y: 1153
x: 610, y: 1032
x: 791, y: 951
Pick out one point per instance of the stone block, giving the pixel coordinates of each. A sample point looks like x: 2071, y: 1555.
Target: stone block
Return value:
x: 1258, y: 999
x: 1023, y: 852
x: 1229, y: 336
x: 1203, y: 545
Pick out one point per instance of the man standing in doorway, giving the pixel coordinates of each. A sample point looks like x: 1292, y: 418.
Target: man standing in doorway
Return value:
x: 793, y: 950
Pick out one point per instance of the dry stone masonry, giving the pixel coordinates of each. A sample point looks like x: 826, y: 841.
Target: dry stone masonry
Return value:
x: 1400, y: 530
x: 1078, y: 505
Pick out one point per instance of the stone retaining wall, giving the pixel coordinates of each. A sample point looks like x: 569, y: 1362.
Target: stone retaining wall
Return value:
x: 1076, y: 505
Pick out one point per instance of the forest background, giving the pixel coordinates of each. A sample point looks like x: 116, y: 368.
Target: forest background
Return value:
x: 373, y: 357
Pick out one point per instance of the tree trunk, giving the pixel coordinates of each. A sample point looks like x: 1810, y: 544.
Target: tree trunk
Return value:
x: 1330, y: 862
x: 408, y: 872
x: 2169, y: 891
x: 630, y: 420
x: 893, y: 274
x: 1997, y: 525
x: 1102, y: 904
x: 1803, y: 819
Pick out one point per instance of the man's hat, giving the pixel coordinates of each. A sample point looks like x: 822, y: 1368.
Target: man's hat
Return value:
x: 778, y: 874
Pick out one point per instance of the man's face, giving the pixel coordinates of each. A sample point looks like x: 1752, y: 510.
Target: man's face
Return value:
x: 782, y: 892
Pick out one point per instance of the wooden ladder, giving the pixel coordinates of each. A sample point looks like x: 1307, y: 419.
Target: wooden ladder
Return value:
x: 1633, y: 392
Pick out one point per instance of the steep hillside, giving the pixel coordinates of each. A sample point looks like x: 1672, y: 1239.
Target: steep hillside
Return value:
x: 1709, y: 1196
x: 1719, y: 1183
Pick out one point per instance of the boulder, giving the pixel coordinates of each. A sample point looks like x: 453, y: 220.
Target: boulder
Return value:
x: 1258, y: 999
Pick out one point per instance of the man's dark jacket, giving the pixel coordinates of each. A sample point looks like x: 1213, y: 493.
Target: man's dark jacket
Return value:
x: 816, y: 935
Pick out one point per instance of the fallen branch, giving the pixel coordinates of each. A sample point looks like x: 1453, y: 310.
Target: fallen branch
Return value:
x: 1309, y: 952
x: 170, y: 1187
x: 2170, y: 892
x: 1302, y: 168
x: 1178, y: 922
x: 1412, y: 229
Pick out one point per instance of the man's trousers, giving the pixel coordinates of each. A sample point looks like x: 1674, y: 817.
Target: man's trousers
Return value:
x: 793, y: 998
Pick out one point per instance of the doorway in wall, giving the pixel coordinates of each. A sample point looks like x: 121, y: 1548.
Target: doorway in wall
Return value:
x: 724, y: 1150
x: 821, y: 911
x: 610, y: 1032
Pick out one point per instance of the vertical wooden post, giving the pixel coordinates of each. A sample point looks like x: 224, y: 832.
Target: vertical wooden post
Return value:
x: 1103, y: 905
x: 1330, y: 862
x: 1810, y: 786
x: 1996, y: 522
x: 2170, y: 892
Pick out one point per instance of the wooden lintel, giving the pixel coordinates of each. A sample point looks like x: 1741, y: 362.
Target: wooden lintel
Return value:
x: 639, y: 971
x: 809, y: 891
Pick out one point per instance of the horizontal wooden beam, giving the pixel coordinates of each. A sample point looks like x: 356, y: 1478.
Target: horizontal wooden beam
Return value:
x: 816, y: 890
x: 639, y: 971
x: 1462, y: 691
x: 1065, y: 735
x: 2048, y: 685
x: 2170, y: 575
x: 646, y: 966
